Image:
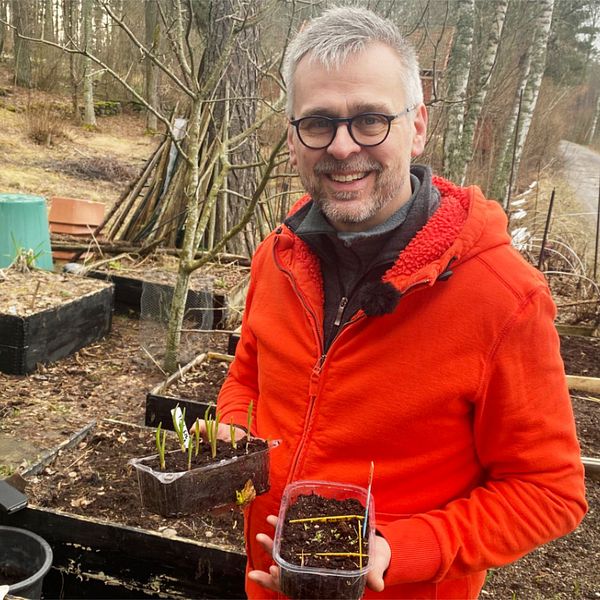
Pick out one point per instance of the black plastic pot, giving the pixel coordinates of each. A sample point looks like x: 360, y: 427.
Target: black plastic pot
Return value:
x: 26, y: 558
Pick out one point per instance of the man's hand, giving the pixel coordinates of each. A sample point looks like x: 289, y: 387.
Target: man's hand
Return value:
x: 223, y: 432
x: 381, y: 561
x: 268, y: 580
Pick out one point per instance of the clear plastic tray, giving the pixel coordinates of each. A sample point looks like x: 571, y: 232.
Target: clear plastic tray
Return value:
x: 309, y: 582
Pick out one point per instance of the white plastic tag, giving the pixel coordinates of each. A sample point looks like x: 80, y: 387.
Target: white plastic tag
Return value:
x: 178, y: 416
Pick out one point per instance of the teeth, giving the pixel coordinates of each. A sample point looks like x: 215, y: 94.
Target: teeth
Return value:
x: 346, y: 178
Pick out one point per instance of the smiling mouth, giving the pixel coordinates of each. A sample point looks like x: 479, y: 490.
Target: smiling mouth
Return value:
x: 347, y: 178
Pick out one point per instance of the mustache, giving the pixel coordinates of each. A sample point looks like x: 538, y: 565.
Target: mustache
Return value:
x: 332, y: 165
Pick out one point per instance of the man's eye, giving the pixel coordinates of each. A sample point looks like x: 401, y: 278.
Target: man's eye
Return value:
x: 316, y: 124
x: 368, y: 120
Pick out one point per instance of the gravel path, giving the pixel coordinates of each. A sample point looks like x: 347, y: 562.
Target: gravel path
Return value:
x: 581, y: 167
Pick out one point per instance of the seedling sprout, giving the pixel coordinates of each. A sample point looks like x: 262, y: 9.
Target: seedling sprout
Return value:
x: 160, y: 445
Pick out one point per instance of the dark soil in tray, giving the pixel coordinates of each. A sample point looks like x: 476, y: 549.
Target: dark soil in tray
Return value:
x: 304, y: 540
x: 202, y: 382
x: 177, y: 461
x: 95, y: 480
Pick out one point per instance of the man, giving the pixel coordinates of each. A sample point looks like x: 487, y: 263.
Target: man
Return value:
x: 389, y: 320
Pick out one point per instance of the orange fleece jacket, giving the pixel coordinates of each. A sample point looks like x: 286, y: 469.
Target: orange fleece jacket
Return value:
x: 458, y: 396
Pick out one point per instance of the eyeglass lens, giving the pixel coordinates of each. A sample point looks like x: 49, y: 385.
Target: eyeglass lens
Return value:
x: 366, y: 129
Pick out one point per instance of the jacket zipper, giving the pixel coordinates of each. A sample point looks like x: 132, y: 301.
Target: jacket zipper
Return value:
x: 316, y: 371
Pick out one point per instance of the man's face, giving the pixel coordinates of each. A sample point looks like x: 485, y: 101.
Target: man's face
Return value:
x: 356, y: 187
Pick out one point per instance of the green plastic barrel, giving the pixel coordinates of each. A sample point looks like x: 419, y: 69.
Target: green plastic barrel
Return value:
x: 24, y: 225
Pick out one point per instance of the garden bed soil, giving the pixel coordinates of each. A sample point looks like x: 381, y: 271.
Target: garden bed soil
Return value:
x: 202, y: 382
x: 162, y: 268
x: 95, y: 479
x: 26, y: 293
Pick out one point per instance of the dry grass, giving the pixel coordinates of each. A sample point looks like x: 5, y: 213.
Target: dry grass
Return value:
x: 55, y: 170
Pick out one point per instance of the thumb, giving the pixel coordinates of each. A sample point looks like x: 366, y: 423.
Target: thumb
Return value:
x: 381, y: 561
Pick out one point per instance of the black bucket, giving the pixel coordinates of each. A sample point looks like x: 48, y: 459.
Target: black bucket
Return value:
x: 25, y: 558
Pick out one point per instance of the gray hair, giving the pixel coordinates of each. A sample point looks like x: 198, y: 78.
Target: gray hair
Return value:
x: 342, y: 31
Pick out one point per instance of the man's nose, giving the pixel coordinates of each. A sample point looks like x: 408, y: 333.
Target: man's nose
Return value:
x: 343, y: 145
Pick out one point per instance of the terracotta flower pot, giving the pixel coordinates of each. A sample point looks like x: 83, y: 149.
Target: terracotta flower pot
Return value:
x: 74, y: 216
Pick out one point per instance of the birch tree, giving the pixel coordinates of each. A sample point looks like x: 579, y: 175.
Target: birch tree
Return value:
x: 526, y: 96
x: 457, y: 79
x: 477, y: 99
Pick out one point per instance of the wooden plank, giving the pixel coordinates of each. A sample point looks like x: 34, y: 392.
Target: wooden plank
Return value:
x: 128, y: 558
x: 591, y: 385
x: 585, y: 330
x: 592, y: 467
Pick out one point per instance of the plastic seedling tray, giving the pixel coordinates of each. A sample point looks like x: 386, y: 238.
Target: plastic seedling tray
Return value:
x: 300, y: 581
x: 202, y: 488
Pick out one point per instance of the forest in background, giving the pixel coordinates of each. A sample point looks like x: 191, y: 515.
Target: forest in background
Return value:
x: 504, y: 81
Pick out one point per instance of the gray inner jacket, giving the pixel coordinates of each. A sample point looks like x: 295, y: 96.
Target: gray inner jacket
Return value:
x: 351, y: 262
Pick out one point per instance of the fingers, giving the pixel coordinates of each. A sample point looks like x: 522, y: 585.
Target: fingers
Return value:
x: 272, y: 520
x: 268, y: 580
x: 266, y: 542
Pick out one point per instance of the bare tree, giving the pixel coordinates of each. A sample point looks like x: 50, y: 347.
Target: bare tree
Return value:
x: 477, y: 99
x: 89, y: 115
x: 457, y: 79
x: 152, y: 25
x: 20, y: 21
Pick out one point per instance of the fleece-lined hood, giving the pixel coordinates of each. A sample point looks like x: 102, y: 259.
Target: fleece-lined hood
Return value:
x: 464, y: 225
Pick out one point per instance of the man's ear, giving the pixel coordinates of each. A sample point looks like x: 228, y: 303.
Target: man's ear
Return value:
x: 291, y: 146
x: 419, y: 130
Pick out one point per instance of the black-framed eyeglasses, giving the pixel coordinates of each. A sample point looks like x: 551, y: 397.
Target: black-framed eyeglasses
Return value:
x: 366, y: 129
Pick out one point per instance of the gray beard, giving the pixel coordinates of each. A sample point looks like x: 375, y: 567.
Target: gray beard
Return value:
x: 387, y: 187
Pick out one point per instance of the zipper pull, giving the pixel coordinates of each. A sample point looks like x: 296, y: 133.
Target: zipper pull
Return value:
x: 340, y: 311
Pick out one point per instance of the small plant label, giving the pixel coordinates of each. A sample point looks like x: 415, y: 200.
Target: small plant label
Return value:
x: 179, y: 418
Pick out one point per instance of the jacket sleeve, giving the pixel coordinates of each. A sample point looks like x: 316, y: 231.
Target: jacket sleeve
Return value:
x: 241, y: 385
x: 533, y: 485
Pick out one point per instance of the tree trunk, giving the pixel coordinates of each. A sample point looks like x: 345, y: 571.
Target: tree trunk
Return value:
x: 477, y: 101
x: 89, y: 117
x: 69, y: 19
x: 152, y: 43
x: 457, y: 79
x: 22, y: 60
x: 536, y: 73
x: 49, y: 21
x: 3, y: 17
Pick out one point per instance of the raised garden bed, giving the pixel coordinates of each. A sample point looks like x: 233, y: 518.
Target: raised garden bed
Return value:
x: 87, y: 505
x: 194, y: 387
x: 45, y: 317
x: 216, y: 295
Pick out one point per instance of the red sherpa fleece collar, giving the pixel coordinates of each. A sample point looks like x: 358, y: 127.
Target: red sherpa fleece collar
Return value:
x: 427, y: 246
x: 439, y: 233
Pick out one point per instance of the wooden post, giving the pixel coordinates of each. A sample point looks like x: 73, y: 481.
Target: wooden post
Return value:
x: 547, y: 226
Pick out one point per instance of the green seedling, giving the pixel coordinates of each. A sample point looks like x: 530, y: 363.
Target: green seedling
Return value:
x: 179, y: 426
x: 160, y: 446
x: 232, y: 435
x: 190, y: 449
x: 212, y: 426
x: 197, y: 436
